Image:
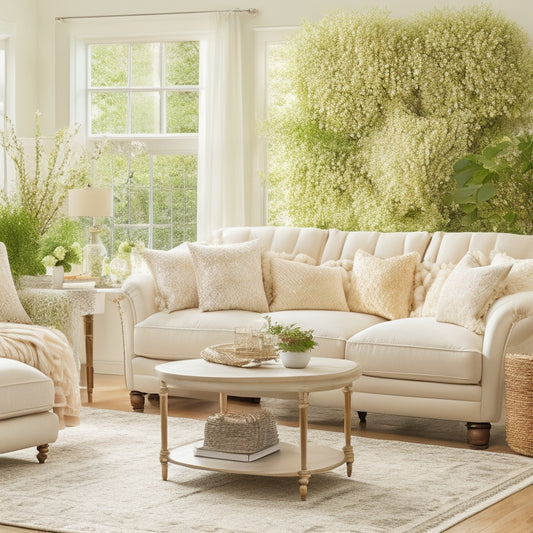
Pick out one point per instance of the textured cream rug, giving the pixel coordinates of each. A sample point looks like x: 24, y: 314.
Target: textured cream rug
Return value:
x: 104, y: 476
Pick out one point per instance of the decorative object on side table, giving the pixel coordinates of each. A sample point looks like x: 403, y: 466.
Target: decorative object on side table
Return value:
x: 519, y: 402
x: 92, y: 202
x: 60, y: 259
x: 294, y: 344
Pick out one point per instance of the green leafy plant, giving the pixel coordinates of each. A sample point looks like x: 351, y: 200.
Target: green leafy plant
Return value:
x: 494, y: 188
x: 291, y: 338
x: 60, y: 246
x: 19, y: 231
x: 44, y: 178
x: 370, y: 113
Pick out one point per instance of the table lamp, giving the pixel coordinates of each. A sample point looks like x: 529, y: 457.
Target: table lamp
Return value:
x: 92, y: 202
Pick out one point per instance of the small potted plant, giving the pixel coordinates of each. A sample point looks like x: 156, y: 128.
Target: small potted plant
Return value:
x: 294, y: 344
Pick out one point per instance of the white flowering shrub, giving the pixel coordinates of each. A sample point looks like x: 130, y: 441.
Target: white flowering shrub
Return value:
x: 371, y: 113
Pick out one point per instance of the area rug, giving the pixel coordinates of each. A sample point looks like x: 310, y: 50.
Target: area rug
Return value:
x: 104, y: 476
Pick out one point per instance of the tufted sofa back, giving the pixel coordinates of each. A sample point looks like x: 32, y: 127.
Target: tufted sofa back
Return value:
x: 327, y: 245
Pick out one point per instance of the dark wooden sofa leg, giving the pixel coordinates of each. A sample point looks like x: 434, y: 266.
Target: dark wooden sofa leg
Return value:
x: 42, y: 453
x: 362, y: 416
x: 478, y: 435
x: 137, y: 400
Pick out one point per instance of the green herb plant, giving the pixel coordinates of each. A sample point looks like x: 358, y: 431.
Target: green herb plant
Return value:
x: 291, y: 338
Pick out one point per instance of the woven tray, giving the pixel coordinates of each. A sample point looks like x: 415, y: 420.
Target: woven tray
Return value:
x: 519, y: 402
x: 240, y: 432
x: 225, y: 354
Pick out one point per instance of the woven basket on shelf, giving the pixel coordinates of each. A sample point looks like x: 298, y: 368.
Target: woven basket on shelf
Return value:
x: 240, y: 432
x: 519, y: 402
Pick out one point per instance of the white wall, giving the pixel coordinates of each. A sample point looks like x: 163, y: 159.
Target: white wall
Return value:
x: 43, y: 70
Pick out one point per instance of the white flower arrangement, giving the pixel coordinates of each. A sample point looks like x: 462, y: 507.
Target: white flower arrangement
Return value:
x: 373, y: 112
x: 64, y: 256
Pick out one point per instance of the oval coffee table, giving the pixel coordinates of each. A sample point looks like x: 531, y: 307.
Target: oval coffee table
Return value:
x: 321, y: 374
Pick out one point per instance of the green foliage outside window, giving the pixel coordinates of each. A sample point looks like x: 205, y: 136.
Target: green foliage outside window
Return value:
x: 368, y: 115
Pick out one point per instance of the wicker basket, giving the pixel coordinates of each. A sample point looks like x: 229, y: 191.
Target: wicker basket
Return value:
x: 240, y: 432
x: 519, y: 402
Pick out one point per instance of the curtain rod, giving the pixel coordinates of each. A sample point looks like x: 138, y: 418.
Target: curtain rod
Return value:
x: 250, y: 11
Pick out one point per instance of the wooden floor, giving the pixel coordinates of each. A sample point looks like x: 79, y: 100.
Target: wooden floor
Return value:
x: 512, y: 515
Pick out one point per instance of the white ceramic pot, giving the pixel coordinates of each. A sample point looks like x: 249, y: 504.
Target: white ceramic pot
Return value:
x: 295, y: 359
x: 58, y: 276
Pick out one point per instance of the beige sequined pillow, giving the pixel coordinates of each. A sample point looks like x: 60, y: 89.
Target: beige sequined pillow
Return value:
x: 301, y: 286
x: 229, y: 276
x: 174, y: 278
x: 382, y: 287
x: 469, y: 291
x: 11, y: 309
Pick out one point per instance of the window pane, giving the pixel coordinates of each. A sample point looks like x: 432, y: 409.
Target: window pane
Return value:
x: 109, y: 65
x: 182, y: 112
x: 182, y: 63
x: 145, y: 112
x: 109, y: 112
x: 145, y: 66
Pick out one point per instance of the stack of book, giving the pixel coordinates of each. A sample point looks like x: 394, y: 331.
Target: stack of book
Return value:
x: 202, y: 451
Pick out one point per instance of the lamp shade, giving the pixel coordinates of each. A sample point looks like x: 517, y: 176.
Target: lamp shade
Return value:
x: 90, y: 202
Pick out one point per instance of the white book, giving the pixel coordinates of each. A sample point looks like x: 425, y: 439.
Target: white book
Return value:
x: 200, y: 451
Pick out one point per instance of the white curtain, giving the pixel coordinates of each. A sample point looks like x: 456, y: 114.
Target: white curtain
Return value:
x: 221, y: 172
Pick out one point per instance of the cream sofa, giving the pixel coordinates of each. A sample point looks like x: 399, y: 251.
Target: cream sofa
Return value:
x: 415, y: 365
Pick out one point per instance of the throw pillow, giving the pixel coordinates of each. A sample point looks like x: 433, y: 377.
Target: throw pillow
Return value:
x: 267, y: 268
x: 520, y: 278
x: 229, y: 276
x: 429, y: 279
x: 11, y: 309
x: 469, y: 291
x: 174, y: 278
x: 382, y: 287
x: 298, y: 285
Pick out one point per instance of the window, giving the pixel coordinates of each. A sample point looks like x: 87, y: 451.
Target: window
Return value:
x: 7, y: 82
x: 144, y: 97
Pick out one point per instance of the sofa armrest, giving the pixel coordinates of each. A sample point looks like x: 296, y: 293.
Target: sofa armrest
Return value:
x: 508, y: 325
x: 136, y: 303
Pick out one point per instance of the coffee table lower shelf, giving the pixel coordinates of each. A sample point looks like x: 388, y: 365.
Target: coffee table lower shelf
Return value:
x: 285, y: 463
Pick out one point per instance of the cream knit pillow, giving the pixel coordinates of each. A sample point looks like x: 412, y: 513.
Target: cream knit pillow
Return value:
x: 174, y: 278
x: 229, y: 276
x: 469, y: 291
x: 520, y: 278
x: 11, y: 309
x: 382, y: 287
x: 301, y: 286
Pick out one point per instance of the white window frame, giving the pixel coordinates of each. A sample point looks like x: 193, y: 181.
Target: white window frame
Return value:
x: 7, y: 96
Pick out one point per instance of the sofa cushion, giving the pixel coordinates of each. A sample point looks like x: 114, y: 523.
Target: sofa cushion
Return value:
x: 174, y: 278
x: 229, y: 276
x: 185, y: 333
x: 300, y: 286
x: 469, y: 291
x: 418, y: 349
x: 382, y: 287
x: 24, y: 390
x: 331, y: 329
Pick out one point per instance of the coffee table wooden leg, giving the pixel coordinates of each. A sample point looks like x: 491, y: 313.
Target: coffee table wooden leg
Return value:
x: 223, y: 402
x: 348, y: 449
x: 88, y: 324
x: 163, y: 409
x: 304, y: 475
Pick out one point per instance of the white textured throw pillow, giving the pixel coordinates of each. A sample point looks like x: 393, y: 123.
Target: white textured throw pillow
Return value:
x: 520, y: 278
x: 11, y: 309
x: 301, y: 286
x: 382, y: 287
x: 174, y: 277
x: 429, y: 279
x: 229, y: 276
x: 469, y: 291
